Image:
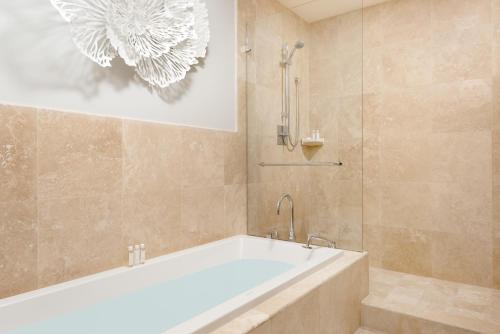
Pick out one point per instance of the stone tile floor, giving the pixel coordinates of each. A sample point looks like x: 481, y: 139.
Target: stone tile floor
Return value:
x: 468, y: 307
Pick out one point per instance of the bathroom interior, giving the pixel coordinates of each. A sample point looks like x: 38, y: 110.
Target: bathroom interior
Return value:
x: 250, y: 166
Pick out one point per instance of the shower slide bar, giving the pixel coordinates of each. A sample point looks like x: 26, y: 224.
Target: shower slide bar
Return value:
x: 304, y: 164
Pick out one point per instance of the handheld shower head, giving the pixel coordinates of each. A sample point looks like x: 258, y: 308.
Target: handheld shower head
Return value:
x: 298, y: 45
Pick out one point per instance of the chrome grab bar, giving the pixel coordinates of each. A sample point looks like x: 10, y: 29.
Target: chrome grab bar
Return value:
x: 304, y: 164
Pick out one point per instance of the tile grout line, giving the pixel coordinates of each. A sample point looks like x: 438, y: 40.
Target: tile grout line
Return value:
x: 37, y: 196
x: 122, y: 183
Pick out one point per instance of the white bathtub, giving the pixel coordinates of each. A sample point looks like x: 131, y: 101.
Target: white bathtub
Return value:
x: 68, y: 298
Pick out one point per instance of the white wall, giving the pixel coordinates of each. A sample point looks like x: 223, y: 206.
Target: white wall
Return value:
x: 40, y: 66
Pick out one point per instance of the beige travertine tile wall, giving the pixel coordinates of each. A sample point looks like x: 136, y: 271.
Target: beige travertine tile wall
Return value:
x: 496, y: 142
x: 18, y: 207
x: 336, y: 110
x: 431, y: 138
x: 327, y: 200
x: 76, y: 190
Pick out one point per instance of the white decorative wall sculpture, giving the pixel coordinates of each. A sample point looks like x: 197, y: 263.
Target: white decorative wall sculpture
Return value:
x: 162, y: 39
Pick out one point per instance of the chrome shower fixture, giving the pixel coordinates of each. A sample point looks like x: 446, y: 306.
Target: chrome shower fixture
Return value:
x: 285, y: 136
x: 287, y: 56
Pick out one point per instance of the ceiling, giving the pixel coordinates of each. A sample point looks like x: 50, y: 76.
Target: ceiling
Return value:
x: 315, y: 10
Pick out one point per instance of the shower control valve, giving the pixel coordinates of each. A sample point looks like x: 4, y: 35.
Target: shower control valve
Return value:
x: 282, y: 134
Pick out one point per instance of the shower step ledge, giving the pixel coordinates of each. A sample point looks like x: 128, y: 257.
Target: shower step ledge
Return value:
x: 405, y: 316
x: 388, y: 321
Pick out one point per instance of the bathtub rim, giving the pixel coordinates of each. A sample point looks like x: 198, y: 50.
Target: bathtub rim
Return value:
x: 4, y: 302
x: 273, y: 287
x: 213, y: 317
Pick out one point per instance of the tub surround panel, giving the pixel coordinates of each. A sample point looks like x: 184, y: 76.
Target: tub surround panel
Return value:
x: 202, y: 213
x: 17, y: 154
x: 148, y: 150
x: 327, y: 301
x: 152, y: 167
x: 202, y: 158
x: 300, y: 317
x: 79, y: 195
x: 102, y: 184
x: 78, y: 155
x: 234, y: 166
x: 235, y: 208
x: 78, y: 236
x: 18, y: 249
x: 155, y: 217
x: 429, y: 127
x: 18, y: 207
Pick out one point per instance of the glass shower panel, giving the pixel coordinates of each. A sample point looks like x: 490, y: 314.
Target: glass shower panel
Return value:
x: 304, y: 122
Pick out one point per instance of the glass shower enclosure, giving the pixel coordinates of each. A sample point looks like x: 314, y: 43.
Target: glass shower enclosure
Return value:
x: 303, y: 94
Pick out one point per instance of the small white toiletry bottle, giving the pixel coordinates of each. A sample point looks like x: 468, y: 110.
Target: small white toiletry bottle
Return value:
x: 130, y: 256
x: 137, y: 255
x: 143, y: 254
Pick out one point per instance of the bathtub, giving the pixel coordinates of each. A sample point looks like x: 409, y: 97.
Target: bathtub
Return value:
x: 232, y: 276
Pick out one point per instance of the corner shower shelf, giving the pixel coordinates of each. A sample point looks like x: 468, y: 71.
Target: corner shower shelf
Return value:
x: 301, y: 164
x: 313, y: 142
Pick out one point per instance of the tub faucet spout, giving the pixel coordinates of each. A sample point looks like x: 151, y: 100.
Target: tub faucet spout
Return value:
x: 291, y: 235
x: 311, y: 237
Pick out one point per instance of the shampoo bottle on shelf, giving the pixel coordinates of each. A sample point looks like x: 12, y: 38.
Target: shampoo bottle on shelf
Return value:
x: 130, y: 256
x: 143, y: 254
x: 137, y: 255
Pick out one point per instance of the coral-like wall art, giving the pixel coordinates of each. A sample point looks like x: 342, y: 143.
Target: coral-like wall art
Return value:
x: 161, y: 39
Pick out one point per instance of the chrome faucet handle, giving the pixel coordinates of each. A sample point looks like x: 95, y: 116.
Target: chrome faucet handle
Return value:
x: 272, y: 235
x: 311, y: 237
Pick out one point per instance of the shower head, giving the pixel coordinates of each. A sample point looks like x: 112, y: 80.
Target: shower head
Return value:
x: 298, y: 45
